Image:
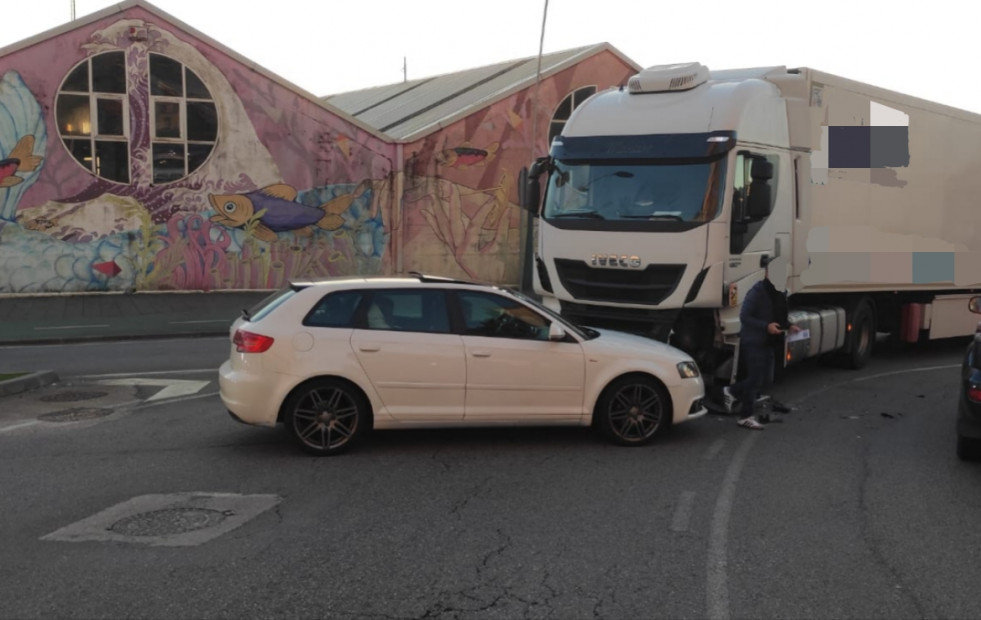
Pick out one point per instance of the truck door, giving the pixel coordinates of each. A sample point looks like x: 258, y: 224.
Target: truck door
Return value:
x: 757, y: 225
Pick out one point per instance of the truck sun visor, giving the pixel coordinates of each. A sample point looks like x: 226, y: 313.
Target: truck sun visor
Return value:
x: 674, y: 147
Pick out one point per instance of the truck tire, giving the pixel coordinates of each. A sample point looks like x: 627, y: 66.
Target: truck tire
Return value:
x: 861, y: 337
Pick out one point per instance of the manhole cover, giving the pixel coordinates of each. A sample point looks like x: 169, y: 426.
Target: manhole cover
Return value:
x: 168, y: 522
x: 71, y: 396
x: 75, y: 414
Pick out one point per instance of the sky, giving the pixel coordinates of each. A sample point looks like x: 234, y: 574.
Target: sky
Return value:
x: 925, y: 49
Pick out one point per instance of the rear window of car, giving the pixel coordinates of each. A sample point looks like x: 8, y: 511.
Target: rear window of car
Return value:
x: 335, y: 310
x: 267, y: 305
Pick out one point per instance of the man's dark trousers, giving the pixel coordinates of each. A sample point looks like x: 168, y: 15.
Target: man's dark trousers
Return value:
x: 759, y: 370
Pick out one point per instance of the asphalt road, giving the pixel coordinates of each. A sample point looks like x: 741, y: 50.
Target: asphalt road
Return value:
x: 854, y: 507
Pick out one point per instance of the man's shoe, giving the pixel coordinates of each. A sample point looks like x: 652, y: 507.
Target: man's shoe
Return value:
x: 751, y: 424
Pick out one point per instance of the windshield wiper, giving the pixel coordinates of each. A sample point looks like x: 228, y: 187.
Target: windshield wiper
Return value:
x: 655, y: 216
x: 590, y: 214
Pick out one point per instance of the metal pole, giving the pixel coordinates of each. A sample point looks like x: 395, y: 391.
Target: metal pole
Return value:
x: 528, y: 238
x: 73, y: 10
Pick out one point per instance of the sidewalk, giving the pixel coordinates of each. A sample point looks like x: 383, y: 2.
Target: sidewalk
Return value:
x: 61, y: 319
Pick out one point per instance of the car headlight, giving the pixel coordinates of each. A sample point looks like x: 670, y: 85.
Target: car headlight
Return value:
x: 688, y: 370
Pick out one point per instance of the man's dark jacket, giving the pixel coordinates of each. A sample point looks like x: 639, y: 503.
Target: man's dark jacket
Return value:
x: 763, y: 305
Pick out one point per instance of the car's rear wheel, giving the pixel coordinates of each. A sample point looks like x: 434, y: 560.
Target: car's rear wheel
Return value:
x: 633, y: 410
x: 326, y: 416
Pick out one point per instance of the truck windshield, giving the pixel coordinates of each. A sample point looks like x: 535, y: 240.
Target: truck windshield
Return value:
x: 615, y: 191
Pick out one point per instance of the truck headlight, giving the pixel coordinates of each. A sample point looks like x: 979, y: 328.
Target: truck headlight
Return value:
x: 688, y: 370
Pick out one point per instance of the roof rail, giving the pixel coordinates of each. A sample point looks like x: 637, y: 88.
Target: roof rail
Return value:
x: 428, y: 278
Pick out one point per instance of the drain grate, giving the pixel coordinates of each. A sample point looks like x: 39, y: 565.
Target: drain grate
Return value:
x: 169, y: 521
x: 75, y: 414
x: 69, y: 396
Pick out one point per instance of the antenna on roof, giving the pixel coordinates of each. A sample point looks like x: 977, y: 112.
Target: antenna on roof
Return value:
x: 73, y: 10
x: 405, y: 69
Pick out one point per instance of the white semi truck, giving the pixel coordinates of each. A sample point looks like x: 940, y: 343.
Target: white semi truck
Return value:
x: 661, y: 200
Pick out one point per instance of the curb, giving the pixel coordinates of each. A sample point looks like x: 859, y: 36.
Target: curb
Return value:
x: 30, y: 381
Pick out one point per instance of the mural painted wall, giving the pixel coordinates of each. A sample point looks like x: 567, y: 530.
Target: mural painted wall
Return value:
x: 461, y: 216
x: 134, y: 158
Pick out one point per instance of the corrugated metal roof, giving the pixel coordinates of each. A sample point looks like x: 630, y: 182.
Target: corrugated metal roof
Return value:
x: 410, y: 110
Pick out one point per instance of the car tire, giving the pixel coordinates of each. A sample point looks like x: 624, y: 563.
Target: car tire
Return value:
x: 326, y: 416
x: 967, y: 449
x: 633, y: 410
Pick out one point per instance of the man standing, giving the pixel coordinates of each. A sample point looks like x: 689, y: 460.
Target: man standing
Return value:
x: 764, y: 322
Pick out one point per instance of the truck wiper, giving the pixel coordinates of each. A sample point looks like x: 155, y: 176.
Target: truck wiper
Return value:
x: 655, y: 216
x: 589, y: 214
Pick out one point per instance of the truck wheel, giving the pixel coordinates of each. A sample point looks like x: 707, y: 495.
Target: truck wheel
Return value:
x: 862, y: 336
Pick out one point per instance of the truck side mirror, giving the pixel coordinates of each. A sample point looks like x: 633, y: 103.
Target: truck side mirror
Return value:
x: 529, y: 190
x: 974, y: 305
x: 529, y: 185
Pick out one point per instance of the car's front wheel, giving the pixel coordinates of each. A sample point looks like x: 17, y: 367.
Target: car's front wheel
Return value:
x: 326, y: 416
x: 633, y: 410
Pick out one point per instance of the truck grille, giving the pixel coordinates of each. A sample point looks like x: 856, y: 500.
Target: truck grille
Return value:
x: 634, y: 286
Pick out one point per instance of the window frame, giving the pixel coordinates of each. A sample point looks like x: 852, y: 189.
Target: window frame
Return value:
x: 94, y: 135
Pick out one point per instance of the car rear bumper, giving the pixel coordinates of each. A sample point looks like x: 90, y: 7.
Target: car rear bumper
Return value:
x: 251, y: 398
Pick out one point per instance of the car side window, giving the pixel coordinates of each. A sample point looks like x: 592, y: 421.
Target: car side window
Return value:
x: 495, y: 316
x: 408, y: 310
x: 335, y: 310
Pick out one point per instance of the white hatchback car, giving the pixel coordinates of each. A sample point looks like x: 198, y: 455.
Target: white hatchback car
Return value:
x: 333, y: 359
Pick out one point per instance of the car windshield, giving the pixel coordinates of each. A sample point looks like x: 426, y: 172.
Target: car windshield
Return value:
x: 583, y: 332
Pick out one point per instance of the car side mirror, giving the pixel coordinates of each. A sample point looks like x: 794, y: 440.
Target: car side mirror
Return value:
x: 556, y: 332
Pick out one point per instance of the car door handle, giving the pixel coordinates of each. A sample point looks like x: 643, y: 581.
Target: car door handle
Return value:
x: 481, y: 354
x: 370, y: 348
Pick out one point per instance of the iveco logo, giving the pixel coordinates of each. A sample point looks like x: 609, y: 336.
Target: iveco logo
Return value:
x: 615, y: 260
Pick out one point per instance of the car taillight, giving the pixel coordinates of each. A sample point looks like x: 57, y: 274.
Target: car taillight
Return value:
x: 247, y: 342
x: 974, y: 393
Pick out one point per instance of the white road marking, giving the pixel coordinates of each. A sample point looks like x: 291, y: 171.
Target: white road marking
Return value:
x: 14, y: 427
x: 716, y: 579
x: 870, y: 377
x: 716, y: 586
x: 714, y: 449
x: 39, y: 329
x: 148, y: 404
x: 152, y: 373
x: 682, y: 514
x: 172, y: 388
x: 202, y: 321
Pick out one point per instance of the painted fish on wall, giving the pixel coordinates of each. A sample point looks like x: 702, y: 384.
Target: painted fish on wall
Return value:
x: 273, y: 209
x: 21, y: 159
